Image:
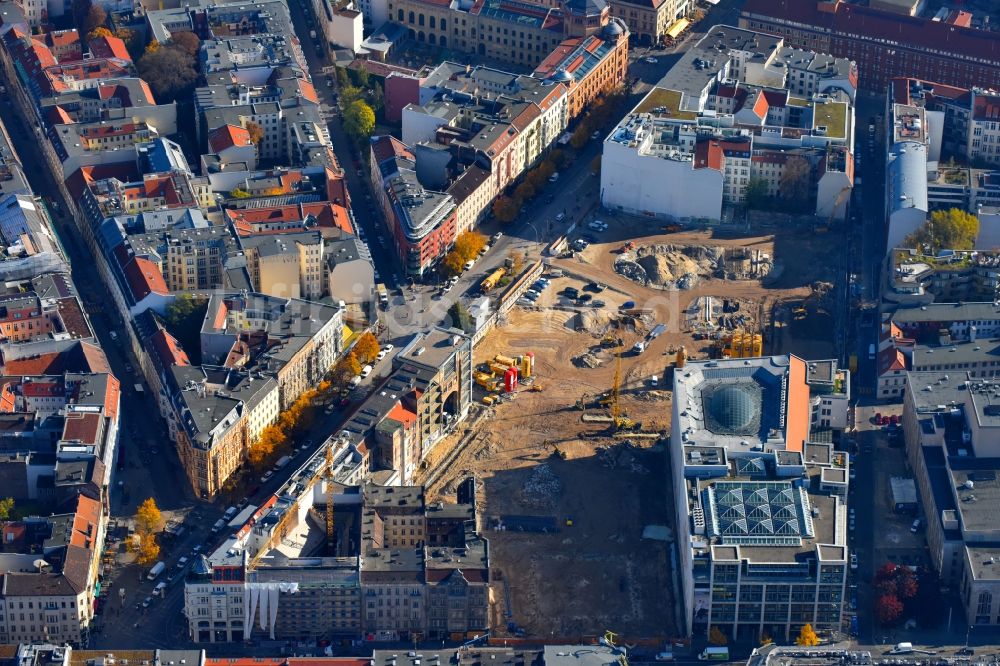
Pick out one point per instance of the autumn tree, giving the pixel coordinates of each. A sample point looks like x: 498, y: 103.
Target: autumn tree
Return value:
x: 359, y: 120
x: 888, y: 609
x: 349, y: 94
x: 97, y: 32
x: 366, y: 347
x: 170, y: 72
x: 147, y: 517
x: 765, y: 639
x: 716, y: 636
x: 6, y: 506
x: 255, y: 131
x: 505, y: 208
x: 807, y: 636
x: 524, y: 192
x: 152, y: 47
x: 186, y: 40
x: 239, y: 193
x: 467, y: 248
x: 952, y: 229
x: 558, y: 158
x: 580, y: 136
x: 95, y: 18
x: 149, y: 550
x: 263, y: 449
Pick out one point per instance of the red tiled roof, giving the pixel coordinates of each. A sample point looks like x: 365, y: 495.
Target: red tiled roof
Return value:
x: 42, y: 389
x: 912, y: 31
x: 144, y: 278
x: 890, y: 359
x: 986, y: 107
x: 403, y: 415
x: 80, y: 179
x: 959, y: 18
x: 228, y: 136
x: 85, y: 522
x: 386, y: 146
x: 109, y: 47
x: 168, y: 349
x: 708, y: 155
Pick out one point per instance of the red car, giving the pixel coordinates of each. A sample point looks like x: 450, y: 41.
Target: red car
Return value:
x: 894, y: 419
x: 878, y: 418
x: 885, y: 420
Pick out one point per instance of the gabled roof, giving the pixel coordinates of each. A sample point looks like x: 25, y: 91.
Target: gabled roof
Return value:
x: 228, y: 136
x: 109, y: 47
x: 144, y: 278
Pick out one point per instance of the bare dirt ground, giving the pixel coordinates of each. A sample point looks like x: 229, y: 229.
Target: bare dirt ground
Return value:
x: 596, y: 573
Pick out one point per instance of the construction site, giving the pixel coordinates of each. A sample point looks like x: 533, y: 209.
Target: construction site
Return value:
x: 574, y: 395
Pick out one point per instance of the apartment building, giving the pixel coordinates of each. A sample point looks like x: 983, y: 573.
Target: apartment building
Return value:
x: 739, y: 107
x: 288, y: 265
x: 884, y: 44
x: 744, y: 428
x: 950, y: 429
x: 649, y: 20
x: 398, y: 567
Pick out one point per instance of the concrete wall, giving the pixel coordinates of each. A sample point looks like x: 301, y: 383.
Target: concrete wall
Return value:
x: 652, y: 185
x: 419, y: 126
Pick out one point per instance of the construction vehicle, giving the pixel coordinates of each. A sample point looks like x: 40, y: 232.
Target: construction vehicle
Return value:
x: 619, y: 420
x: 833, y: 211
x: 535, y: 388
x: 491, y: 280
x: 611, y: 341
x: 627, y: 247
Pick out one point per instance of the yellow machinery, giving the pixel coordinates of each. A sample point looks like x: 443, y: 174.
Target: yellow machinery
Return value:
x: 743, y: 344
x: 498, y: 368
x: 527, y: 365
x: 500, y: 359
x: 491, y: 280
x: 619, y: 420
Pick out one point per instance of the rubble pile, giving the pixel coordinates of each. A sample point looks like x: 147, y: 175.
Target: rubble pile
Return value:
x: 541, y: 488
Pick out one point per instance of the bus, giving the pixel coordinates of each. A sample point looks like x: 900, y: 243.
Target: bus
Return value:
x: 383, y: 295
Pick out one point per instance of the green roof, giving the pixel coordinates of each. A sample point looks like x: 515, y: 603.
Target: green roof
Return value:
x: 833, y: 116
x: 668, y: 99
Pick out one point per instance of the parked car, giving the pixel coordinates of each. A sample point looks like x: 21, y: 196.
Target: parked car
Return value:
x: 854, y: 561
x: 267, y: 475
x: 560, y: 217
x: 651, y: 60
x: 496, y: 236
x: 469, y: 265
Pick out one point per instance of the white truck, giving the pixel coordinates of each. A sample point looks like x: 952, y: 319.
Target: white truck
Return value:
x: 156, y: 570
x: 282, y: 461
x: 714, y: 654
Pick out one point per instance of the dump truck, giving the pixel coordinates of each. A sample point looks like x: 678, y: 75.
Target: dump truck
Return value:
x: 383, y: 294
x: 491, y: 280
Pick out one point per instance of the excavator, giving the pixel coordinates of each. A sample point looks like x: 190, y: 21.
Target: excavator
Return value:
x: 619, y: 419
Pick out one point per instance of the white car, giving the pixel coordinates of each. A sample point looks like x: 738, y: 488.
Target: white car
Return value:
x: 469, y: 265
x: 560, y: 217
x: 651, y: 60
x: 267, y: 475
x: 381, y: 355
x: 387, y: 347
x: 497, y: 236
x: 854, y: 561
x: 365, y: 371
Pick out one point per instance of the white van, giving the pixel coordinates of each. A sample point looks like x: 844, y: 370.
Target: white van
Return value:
x: 355, y: 381
x: 365, y: 371
x: 654, y: 381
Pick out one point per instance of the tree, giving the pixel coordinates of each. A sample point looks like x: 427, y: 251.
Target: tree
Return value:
x: 366, y: 347
x: 581, y: 136
x: 239, y: 193
x: 558, y: 158
x: 262, y: 450
x: 169, y: 71
x: 765, y: 639
x: 255, y: 131
x: 460, y: 317
x: 469, y: 245
x: 697, y: 15
x: 360, y: 76
x: 80, y: 9
x: 377, y: 97
x: 952, y: 229
x: 888, y: 609
x: 546, y: 169
x: 149, y: 550
x: 147, y: 517
x: 795, y: 181
x: 343, y: 80
x: 716, y: 637
x: 807, y: 636
x: 524, y: 192
x: 756, y: 194
x: 183, y: 320
x: 132, y: 42
x: 505, y: 208
x: 6, y: 506
x: 95, y: 18
x: 349, y: 95
x: 359, y: 120
x: 152, y: 47
x: 186, y: 40
x: 97, y: 32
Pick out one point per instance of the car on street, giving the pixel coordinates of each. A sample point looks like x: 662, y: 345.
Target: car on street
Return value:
x: 267, y: 475
x: 497, y: 236
x: 469, y: 265
x: 147, y: 602
x: 128, y: 368
x: 560, y: 217
x: 651, y: 60
x: 381, y: 355
x: 388, y: 347
x: 596, y: 135
x: 330, y: 409
x: 182, y: 562
x: 854, y: 561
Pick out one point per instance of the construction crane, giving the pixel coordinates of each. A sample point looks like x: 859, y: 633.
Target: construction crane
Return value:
x: 836, y: 204
x: 331, y: 537
x: 608, y: 640
x: 619, y: 420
